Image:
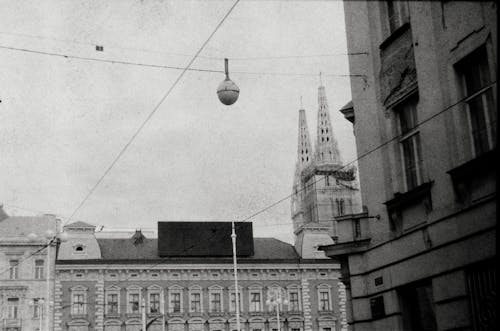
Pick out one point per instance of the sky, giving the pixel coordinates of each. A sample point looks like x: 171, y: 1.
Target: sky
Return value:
x: 63, y: 120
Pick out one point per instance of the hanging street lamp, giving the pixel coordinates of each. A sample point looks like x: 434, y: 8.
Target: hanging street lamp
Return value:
x: 228, y: 91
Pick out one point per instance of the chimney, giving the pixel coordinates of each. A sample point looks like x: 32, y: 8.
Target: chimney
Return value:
x: 3, y: 214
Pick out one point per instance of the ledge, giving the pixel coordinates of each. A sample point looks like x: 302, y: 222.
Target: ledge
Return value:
x: 351, y: 217
x: 479, y: 165
x: 411, y: 197
x: 346, y: 248
x: 395, y: 35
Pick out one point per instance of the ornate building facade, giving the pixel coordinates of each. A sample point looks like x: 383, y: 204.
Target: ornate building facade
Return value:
x: 27, y: 265
x: 107, y: 284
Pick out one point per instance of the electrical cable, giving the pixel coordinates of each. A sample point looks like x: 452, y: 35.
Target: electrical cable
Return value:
x: 122, y: 151
x: 322, y: 177
x: 349, y: 163
x: 218, y: 58
x: 93, y: 59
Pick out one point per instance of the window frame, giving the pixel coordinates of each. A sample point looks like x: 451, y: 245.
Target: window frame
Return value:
x: 195, y: 290
x: 251, y: 291
x: 78, y: 308
x: 232, y: 299
x: 324, y: 288
x: 409, y: 135
x: 14, y: 269
x: 174, y: 291
x: 479, y: 60
x: 13, y: 311
x: 112, y: 290
x: 39, y: 269
x: 134, y: 290
x: 212, y: 290
x: 294, y: 289
x: 155, y: 290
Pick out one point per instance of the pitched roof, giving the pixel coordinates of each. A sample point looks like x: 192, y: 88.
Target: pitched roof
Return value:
x: 124, y: 249
x: 22, y: 226
x: 79, y: 224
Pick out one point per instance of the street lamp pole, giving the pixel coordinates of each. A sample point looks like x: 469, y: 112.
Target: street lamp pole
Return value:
x: 47, y: 297
x: 236, y: 290
x: 276, y: 299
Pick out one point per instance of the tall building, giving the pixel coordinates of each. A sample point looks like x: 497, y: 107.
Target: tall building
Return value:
x: 425, y: 120
x: 324, y: 189
x: 27, y: 266
x: 184, y: 281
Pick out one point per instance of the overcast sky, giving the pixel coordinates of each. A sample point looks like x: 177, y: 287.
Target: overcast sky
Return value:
x: 64, y: 120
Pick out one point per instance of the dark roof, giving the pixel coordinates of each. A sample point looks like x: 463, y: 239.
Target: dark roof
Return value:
x: 124, y: 249
x: 347, y: 106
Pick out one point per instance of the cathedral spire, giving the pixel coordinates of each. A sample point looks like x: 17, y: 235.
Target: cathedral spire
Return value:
x: 304, y: 150
x: 327, y: 150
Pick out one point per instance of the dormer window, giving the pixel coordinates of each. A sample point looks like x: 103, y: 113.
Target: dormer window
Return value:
x: 79, y: 249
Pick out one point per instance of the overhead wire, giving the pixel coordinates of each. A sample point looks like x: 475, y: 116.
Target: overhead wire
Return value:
x: 397, y: 136
x: 183, y: 54
x: 150, y: 115
x: 141, y: 64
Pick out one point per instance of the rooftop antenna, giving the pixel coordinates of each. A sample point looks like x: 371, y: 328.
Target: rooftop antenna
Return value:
x: 320, y: 79
x: 301, y: 105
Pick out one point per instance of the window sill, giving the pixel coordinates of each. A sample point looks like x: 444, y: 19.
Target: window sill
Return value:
x: 411, y: 197
x: 216, y: 313
x: 474, y: 181
x: 395, y: 35
x: 132, y: 315
x: 195, y: 313
x: 477, y: 166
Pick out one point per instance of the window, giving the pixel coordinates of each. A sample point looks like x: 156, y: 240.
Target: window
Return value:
x: 112, y: 303
x: 397, y: 14
x: 215, y: 302
x: 233, y: 301
x: 39, y: 269
x: 480, y: 101
x: 13, y: 308
x: 293, y: 304
x: 418, y: 307
x: 357, y: 229
x: 78, y: 304
x: 410, y: 143
x: 37, y: 308
x: 377, y: 307
x: 482, y: 290
x: 327, y: 180
x: 255, y: 302
x: 195, y: 302
x: 154, y: 303
x: 79, y: 249
x: 340, y: 207
x: 324, y: 300
x: 175, y: 302
x: 133, y: 303
x: 14, y: 269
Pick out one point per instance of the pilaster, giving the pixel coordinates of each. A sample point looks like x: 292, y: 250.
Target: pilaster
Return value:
x: 58, y: 311
x: 342, y: 306
x: 99, y: 307
x: 306, y: 304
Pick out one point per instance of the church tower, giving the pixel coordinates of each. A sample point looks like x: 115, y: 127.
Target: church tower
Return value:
x: 323, y: 189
